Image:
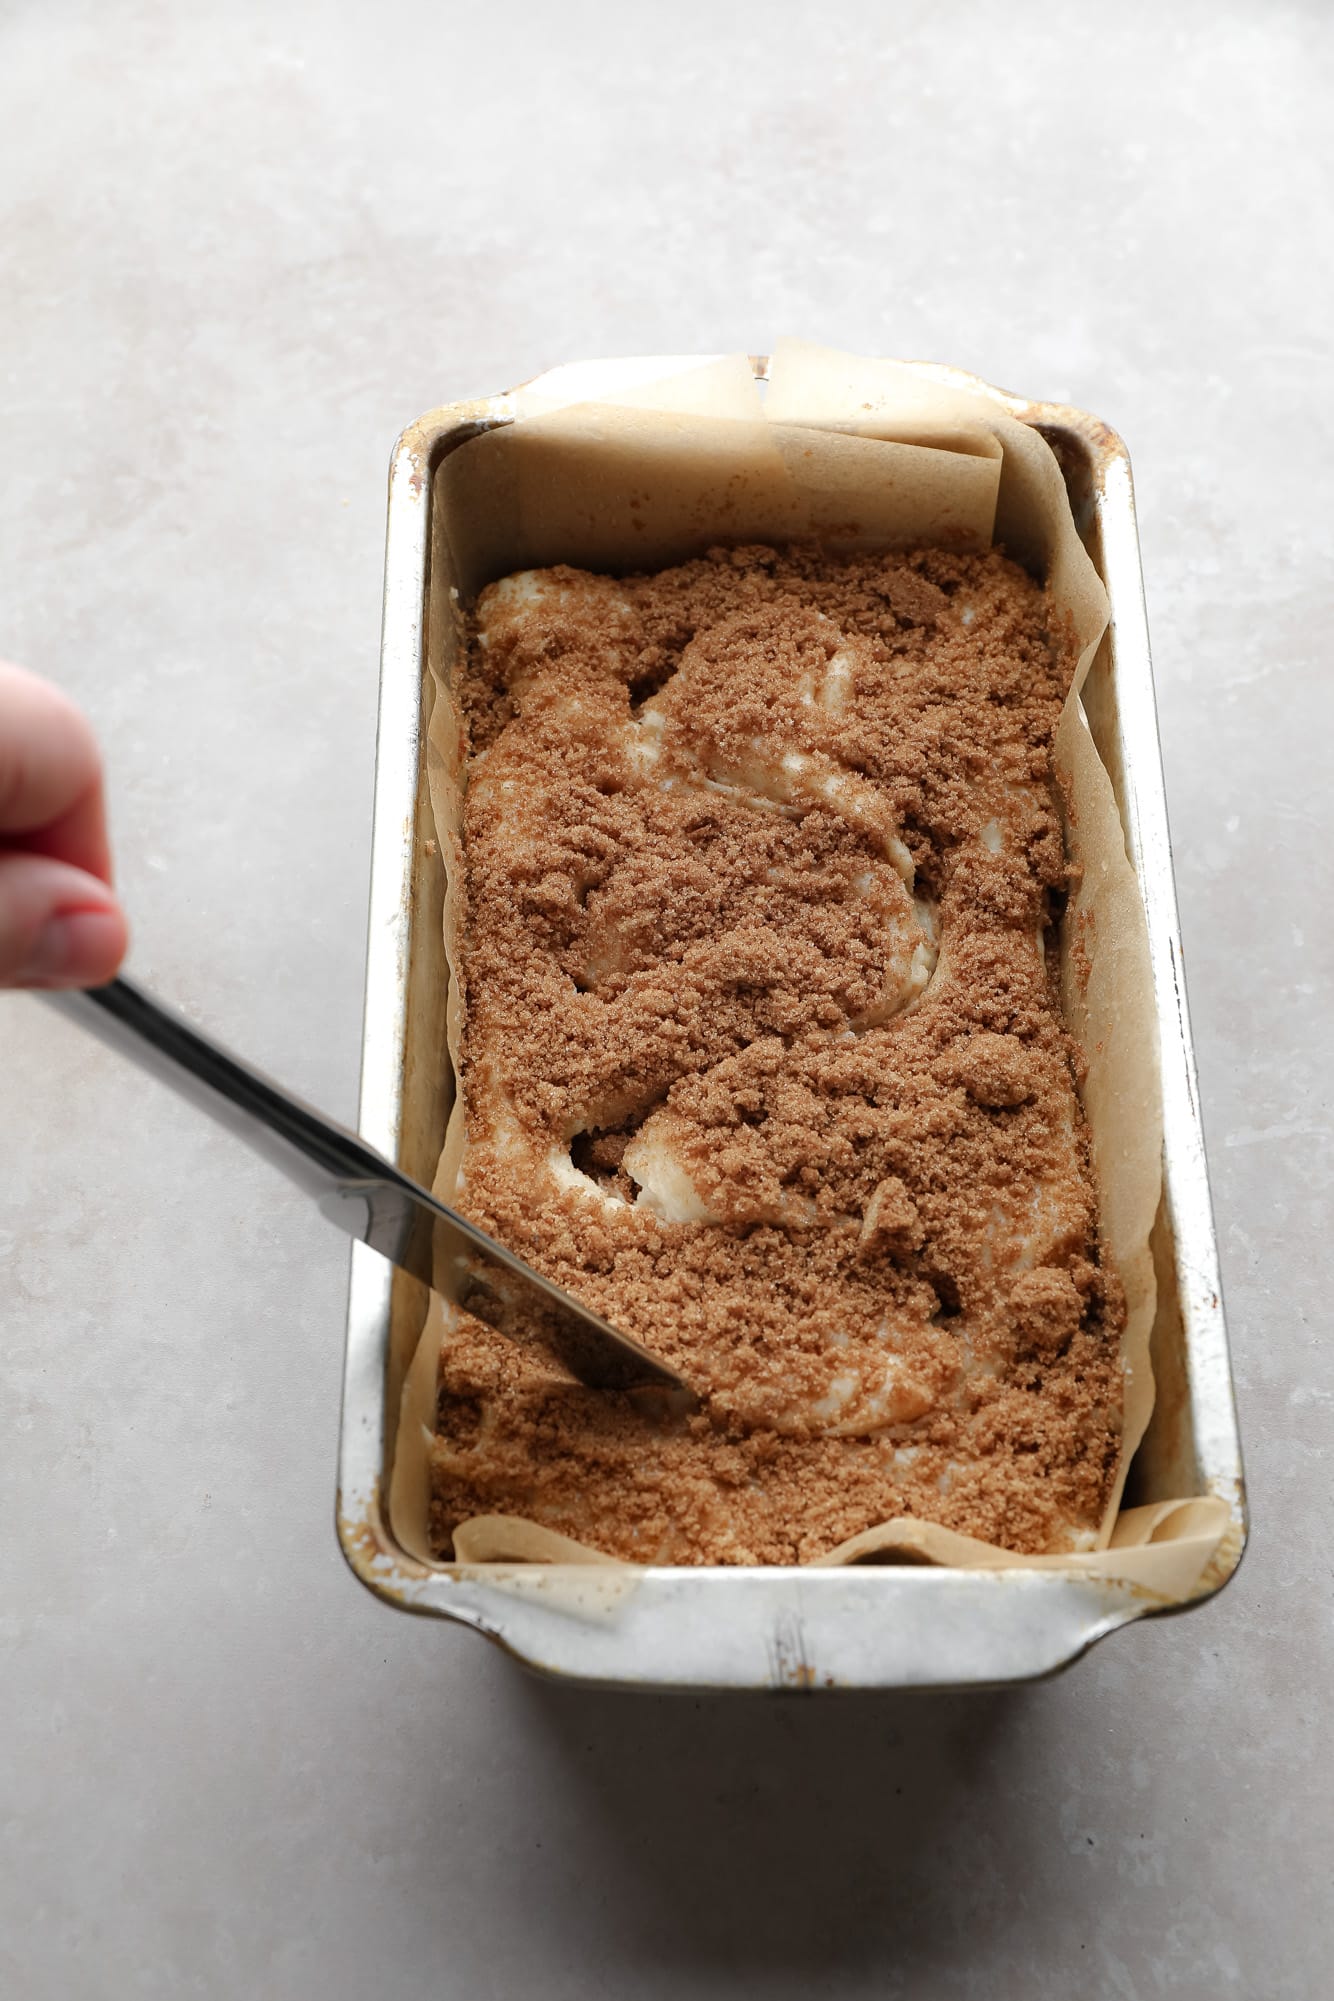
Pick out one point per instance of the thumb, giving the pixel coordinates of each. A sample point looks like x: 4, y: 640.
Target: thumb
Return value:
x: 59, y: 926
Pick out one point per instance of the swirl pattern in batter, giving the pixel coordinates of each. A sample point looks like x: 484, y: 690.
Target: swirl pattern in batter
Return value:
x: 763, y: 1056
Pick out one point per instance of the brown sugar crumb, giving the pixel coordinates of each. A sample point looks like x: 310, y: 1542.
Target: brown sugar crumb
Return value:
x: 1047, y: 1307
x: 890, y: 1221
x: 763, y: 1057
x: 995, y: 1070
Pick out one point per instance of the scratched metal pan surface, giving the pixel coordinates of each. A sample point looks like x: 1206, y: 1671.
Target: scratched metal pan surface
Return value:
x: 883, y: 1626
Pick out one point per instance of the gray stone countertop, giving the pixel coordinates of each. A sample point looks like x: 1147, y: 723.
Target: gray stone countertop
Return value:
x: 243, y: 245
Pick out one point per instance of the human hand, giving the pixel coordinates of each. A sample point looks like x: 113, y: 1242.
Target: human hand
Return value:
x: 60, y: 923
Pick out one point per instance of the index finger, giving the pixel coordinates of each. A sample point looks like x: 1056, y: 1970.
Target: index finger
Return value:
x: 51, y: 799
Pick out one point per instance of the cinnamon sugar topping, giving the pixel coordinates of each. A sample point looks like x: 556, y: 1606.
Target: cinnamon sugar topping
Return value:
x: 763, y: 1058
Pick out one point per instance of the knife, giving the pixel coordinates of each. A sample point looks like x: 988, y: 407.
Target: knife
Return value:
x: 365, y: 1194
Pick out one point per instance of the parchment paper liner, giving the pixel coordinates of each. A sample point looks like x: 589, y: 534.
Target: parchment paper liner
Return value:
x: 614, y: 467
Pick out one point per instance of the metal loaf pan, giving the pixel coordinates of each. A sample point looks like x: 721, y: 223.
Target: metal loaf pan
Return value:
x: 877, y: 1626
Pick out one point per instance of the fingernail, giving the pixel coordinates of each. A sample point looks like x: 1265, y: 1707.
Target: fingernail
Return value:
x: 74, y: 947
